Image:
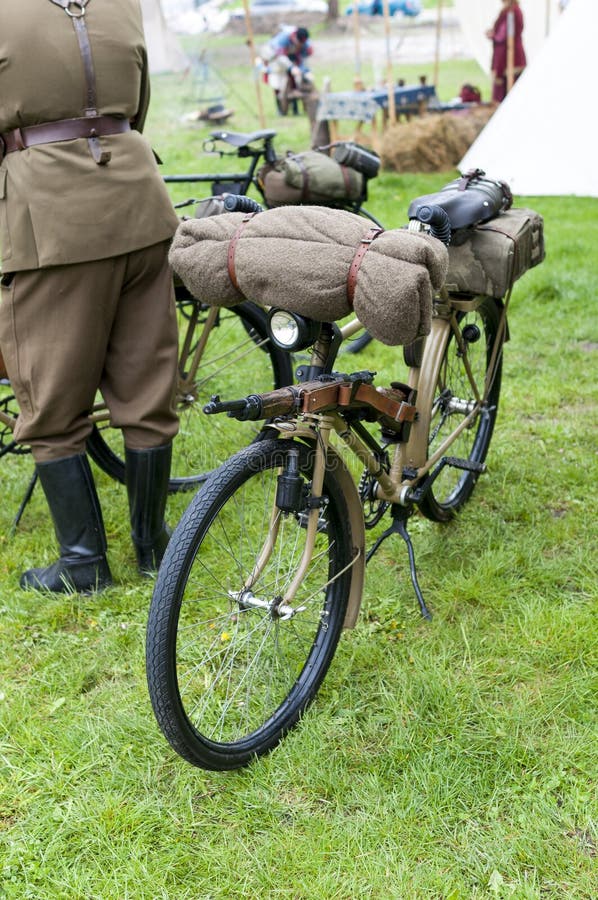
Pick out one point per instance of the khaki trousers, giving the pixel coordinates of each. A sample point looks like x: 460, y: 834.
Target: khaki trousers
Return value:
x: 109, y: 325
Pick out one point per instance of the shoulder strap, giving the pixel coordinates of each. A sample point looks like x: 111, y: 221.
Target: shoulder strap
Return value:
x: 75, y: 10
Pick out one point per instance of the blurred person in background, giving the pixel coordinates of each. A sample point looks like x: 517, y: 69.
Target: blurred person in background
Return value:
x: 499, y: 35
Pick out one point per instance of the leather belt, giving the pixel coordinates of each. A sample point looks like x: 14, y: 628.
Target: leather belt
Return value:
x: 61, y: 130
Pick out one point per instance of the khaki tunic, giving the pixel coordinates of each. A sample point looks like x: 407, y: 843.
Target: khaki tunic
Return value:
x: 57, y: 205
x: 86, y: 300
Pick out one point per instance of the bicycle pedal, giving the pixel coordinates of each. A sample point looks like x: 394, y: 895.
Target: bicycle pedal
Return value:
x: 465, y: 464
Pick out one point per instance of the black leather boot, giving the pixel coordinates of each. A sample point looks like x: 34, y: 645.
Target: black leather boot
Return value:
x: 147, y: 473
x: 77, y: 517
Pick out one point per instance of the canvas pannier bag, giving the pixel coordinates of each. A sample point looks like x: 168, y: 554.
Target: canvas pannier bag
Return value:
x: 311, y: 177
x: 490, y: 257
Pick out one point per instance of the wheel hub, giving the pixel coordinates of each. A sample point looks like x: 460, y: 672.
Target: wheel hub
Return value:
x: 276, y: 607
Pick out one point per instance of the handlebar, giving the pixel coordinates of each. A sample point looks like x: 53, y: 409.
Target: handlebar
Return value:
x: 438, y: 221
x: 241, y: 203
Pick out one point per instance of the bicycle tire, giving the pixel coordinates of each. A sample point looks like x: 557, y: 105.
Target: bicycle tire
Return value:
x: 232, y: 692
x: 453, y: 396
x: 9, y: 408
x: 203, y: 442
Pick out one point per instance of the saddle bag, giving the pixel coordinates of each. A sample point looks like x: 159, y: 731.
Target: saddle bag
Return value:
x: 490, y: 257
x: 491, y: 243
x: 312, y: 177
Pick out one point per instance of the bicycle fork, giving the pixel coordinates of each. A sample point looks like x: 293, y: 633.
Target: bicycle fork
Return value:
x: 290, y: 500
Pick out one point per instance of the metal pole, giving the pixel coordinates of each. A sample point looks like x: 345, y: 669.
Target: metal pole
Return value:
x: 357, y: 80
x: 392, y: 112
x: 437, y: 50
x: 250, y: 44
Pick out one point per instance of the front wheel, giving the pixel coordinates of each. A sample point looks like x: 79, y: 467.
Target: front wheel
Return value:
x: 231, y: 663
x: 464, y: 384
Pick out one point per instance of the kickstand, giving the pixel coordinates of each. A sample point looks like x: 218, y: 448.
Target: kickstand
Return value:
x: 24, y: 502
x: 400, y: 514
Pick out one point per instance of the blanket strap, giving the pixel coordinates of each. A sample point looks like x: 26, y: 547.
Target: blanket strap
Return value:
x: 346, y: 180
x: 304, y: 178
x: 232, y: 246
x: 364, y: 245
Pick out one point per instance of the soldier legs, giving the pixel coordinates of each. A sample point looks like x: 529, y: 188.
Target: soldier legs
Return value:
x: 77, y: 517
x: 67, y: 330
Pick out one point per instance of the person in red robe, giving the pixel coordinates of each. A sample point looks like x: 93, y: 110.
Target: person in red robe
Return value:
x: 498, y: 34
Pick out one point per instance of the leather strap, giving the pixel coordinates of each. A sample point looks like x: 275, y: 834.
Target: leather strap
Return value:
x: 304, y: 178
x: 90, y: 106
x: 75, y: 9
x: 347, y: 182
x: 63, y: 130
x: 469, y: 176
x: 232, y: 246
x: 364, y: 245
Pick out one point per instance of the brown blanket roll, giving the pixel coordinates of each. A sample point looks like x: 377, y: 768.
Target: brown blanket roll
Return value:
x: 299, y: 258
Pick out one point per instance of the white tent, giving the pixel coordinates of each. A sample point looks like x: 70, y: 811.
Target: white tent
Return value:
x: 477, y: 16
x: 164, y: 51
x: 542, y: 138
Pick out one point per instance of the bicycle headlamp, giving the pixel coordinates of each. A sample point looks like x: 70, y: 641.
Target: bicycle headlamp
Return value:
x: 290, y: 331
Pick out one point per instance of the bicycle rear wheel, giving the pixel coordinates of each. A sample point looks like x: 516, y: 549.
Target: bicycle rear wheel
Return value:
x: 238, y: 359
x: 231, y: 668
x: 463, y: 371
x: 9, y: 411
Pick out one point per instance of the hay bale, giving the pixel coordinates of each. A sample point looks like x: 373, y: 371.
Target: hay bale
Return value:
x: 433, y: 143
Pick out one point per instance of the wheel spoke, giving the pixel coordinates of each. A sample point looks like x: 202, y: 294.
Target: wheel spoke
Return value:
x: 463, y: 390
x: 243, y: 663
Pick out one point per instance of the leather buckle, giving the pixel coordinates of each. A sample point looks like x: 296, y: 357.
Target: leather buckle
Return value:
x: 81, y: 6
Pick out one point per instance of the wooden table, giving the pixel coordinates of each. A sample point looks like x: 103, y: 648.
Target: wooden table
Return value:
x: 365, y: 108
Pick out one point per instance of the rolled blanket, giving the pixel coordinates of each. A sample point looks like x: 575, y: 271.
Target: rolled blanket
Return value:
x: 299, y: 258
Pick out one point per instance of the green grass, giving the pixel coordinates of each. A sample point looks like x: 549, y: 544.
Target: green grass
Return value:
x: 447, y: 760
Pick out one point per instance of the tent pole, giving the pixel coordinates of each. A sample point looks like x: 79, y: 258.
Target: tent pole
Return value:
x: 357, y: 80
x: 251, y: 45
x: 437, y: 49
x: 392, y: 112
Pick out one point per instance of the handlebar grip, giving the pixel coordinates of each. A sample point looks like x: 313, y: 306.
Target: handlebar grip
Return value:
x: 438, y: 220
x: 240, y: 203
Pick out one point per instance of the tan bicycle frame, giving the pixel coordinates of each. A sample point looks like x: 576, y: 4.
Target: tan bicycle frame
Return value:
x: 412, y: 453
